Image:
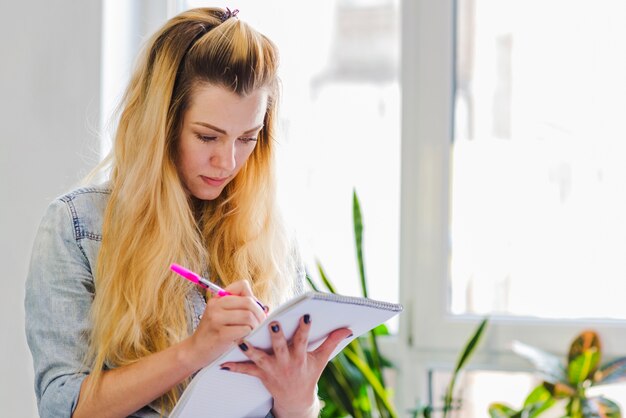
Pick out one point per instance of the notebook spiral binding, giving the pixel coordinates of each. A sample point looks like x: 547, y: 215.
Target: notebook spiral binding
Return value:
x: 333, y: 297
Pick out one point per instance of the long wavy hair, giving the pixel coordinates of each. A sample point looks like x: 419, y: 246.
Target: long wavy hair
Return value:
x: 150, y: 221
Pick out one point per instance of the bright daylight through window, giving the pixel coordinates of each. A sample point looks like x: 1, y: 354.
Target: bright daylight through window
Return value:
x: 537, y: 224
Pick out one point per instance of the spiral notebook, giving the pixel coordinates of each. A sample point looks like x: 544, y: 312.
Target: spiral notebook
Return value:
x: 221, y: 393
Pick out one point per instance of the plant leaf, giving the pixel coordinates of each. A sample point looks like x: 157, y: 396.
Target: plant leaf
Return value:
x: 325, y: 279
x: 311, y: 283
x: 538, y: 401
x: 381, y: 330
x: 336, y: 389
x: 611, y: 372
x: 471, y: 345
x: 463, y: 358
x: 547, y: 364
x: 358, y: 239
x: 499, y: 410
x: 372, y: 380
x: 574, y: 408
x: 560, y: 390
x: 585, y: 341
x: 358, y: 347
x: 385, y: 362
x: 581, y: 367
x: 601, y: 407
x: 538, y: 395
x: 357, y: 219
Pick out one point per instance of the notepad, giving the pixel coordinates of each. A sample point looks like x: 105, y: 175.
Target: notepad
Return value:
x: 220, y: 393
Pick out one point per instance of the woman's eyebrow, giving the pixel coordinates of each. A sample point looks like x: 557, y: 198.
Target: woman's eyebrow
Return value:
x: 222, y: 131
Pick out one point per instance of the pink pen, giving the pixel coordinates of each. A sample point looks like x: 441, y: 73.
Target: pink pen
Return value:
x: 196, y: 278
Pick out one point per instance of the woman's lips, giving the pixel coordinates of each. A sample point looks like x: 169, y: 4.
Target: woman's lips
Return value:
x: 214, y: 181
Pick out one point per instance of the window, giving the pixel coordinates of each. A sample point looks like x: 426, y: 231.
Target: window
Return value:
x: 538, y: 206
x: 510, y: 177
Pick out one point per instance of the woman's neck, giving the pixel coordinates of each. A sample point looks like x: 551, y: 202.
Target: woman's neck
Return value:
x: 197, y: 208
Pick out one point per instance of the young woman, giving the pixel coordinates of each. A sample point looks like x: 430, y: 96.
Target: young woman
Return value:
x: 113, y: 332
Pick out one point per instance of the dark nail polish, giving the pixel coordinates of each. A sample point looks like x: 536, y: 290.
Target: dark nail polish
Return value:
x: 275, y: 327
x: 224, y: 368
x: 307, y: 318
x: 243, y: 347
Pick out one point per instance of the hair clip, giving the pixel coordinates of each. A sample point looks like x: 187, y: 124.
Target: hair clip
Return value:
x: 228, y: 14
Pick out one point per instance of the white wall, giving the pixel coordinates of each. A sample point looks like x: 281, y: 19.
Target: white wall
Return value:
x: 49, y: 109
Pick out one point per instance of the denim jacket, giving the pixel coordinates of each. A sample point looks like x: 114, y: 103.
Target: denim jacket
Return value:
x: 59, y: 292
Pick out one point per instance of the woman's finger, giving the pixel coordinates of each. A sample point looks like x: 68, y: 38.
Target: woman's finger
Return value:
x: 324, y: 351
x: 240, y: 288
x: 240, y: 303
x: 243, y: 289
x: 300, y: 339
x: 245, y: 367
x: 258, y: 357
x: 240, y: 317
x: 234, y: 333
x: 279, y: 343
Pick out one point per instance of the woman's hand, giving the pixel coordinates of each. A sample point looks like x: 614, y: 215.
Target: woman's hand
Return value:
x: 291, y: 373
x: 225, y: 320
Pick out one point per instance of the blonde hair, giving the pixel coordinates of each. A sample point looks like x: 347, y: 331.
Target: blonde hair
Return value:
x: 140, y: 306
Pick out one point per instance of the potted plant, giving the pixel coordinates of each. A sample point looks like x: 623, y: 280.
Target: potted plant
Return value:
x: 568, y: 383
x: 352, y: 384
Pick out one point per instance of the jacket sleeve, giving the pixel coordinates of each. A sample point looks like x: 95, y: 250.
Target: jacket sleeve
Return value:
x: 59, y: 293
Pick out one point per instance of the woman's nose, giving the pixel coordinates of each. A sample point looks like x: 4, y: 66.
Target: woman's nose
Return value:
x: 224, y: 156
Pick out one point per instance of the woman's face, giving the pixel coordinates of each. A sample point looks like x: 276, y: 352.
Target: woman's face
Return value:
x: 218, y: 134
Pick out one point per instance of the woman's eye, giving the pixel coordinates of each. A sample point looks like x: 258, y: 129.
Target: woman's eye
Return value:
x: 206, y: 138
x: 246, y: 140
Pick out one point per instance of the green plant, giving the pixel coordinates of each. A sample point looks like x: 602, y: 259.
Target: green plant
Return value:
x: 353, y: 384
x: 449, y: 402
x: 568, y: 383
